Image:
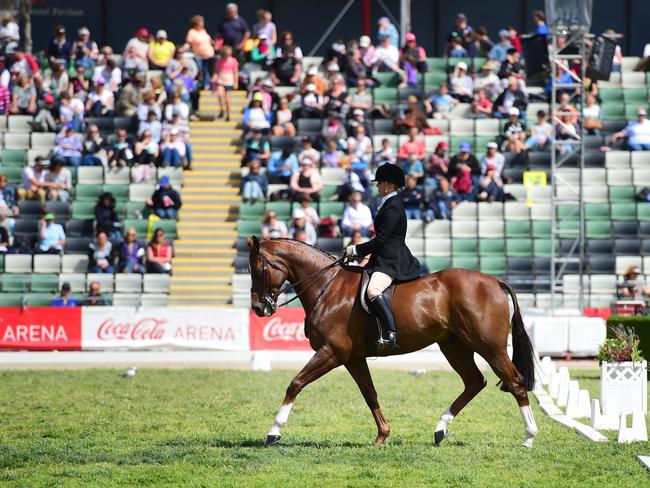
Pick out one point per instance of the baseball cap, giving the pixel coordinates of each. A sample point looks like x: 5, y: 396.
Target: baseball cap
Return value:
x: 636, y: 270
x: 60, y: 30
x: 513, y: 111
x: 66, y: 286
x: 258, y: 97
x: 268, y: 82
x: 491, y: 145
x: 465, y: 147
x: 312, y: 70
x: 442, y: 145
x: 357, y: 111
x: 410, y: 37
x: 48, y: 98
x: 298, y: 213
x: 641, y: 111
x: 462, y: 66
x: 84, y: 31
x: 164, y: 181
x: 161, y: 33
x: 49, y: 216
x: 142, y: 32
x: 364, y: 41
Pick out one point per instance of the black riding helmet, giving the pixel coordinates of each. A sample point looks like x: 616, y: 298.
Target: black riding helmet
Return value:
x: 391, y: 173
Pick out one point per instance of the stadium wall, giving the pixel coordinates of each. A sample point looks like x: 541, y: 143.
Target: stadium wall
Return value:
x: 113, y: 22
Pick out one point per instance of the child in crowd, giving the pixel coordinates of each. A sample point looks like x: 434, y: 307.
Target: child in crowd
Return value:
x: 412, y: 199
x: 386, y: 153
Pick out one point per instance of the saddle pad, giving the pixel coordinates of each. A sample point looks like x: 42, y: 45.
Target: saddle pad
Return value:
x: 365, y: 279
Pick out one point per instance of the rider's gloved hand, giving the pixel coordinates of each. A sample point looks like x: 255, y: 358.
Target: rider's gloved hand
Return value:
x: 351, y: 252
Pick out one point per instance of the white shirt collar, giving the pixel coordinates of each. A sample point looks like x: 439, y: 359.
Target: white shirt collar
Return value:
x: 386, y: 197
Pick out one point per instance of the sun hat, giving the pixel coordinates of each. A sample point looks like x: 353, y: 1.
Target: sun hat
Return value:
x: 49, y: 216
x: 491, y: 145
x: 462, y: 66
x: 161, y: 33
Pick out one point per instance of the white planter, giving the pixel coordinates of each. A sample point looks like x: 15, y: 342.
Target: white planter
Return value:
x: 627, y: 383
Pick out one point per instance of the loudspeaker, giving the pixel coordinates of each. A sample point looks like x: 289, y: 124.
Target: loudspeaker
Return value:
x: 600, y: 60
x: 536, y: 55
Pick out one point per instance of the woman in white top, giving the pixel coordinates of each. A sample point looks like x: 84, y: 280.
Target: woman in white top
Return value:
x: 462, y: 85
x: 273, y: 228
x: 177, y: 106
x: 591, y: 113
x: 283, y: 120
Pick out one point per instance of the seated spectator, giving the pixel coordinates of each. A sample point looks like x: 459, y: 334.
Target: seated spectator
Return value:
x: 488, y: 81
x: 336, y: 99
x: 637, y: 133
x: 183, y: 134
x: 256, y: 117
x: 272, y: 228
x: 500, y: 50
x: 33, y: 185
x: 439, y: 104
x: 310, y: 212
x: 9, y: 34
x: 95, y: 298
x: 153, y: 125
x: 481, y: 106
x: 132, y: 63
x: 355, y: 69
x: 331, y: 156
x: 266, y: 26
x: 333, y: 130
x: 356, y: 216
x: 509, y: 98
x: 100, y: 254
x: 412, y: 166
x: 311, y: 104
x: 388, y: 56
x: 491, y: 185
x: 177, y: 106
x: 108, y: 71
x: 160, y: 51
x: 79, y: 85
x: 462, y: 85
x: 85, y: 51
x: 413, y: 116
x: 362, y: 98
x: 101, y: 101
x: 386, y: 153
x: 284, y: 120
x: 413, y: 146
x: 71, y: 113
x: 263, y: 52
x: 146, y: 150
x: 286, y: 69
x: 462, y: 183
x: 130, y: 96
x: 254, y: 185
x: 23, y: 99
x: 59, y: 181
x: 8, y: 207
x: 166, y: 201
x: 308, y: 151
x: 414, y: 54
x: 44, y: 120
x: 438, y: 165
x: 148, y: 105
x: 442, y: 201
x: 633, y: 285
x: 299, y: 223
x: 225, y: 79
x: 360, y: 146
x: 592, y: 115
x: 57, y: 80
x: 456, y: 49
x: 173, y: 149
x: 314, y: 78
x: 64, y: 299
x: 130, y: 253
x: 464, y: 157
x: 158, y: 89
x: 512, y: 66
x: 514, y: 133
x: 256, y: 147
x: 306, y: 182
x: 354, y: 180
x: 282, y: 165
x: 494, y: 157
x: 120, y: 153
x: 159, y: 253
x: 106, y: 218
x: 412, y: 199
x: 540, y: 134
x: 287, y: 42
x: 358, y: 120
x: 569, y: 126
x: 51, y: 236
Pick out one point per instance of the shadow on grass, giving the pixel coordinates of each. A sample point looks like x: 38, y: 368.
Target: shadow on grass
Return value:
x: 257, y: 443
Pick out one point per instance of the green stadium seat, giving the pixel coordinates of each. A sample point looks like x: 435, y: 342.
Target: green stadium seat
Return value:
x: 519, y: 247
x: 14, y: 156
x: 596, y: 211
x: 610, y: 94
x: 39, y: 299
x: 598, y: 229
x: 542, y: 248
x: 327, y: 209
x: 48, y: 283
x: 167, y: 225
x: 437, y: 64
x: 88, y: 192
x: 517, y: 228
x: 643, y: 211
x: 130, y: 208
x: 120, y: 192
x: 328, y: 191
x: 614, y: 111
x: 464, y: 247
x: 434, y: 79
x: 2, y: 263
x: 83, y: 209
x: 385, y: 95
x: 452, y: 62
x: 14, y: 175
x: 140, y: 225
x: 11, y: 299
x: 437, y: 263
x: 494, y: 265
x: 247, y: 227
x: 15, y: 282
x: 541, y: 228
x: 480, y: 142
x: 251, y: 211
x: 478, y: 63
x: 491, y: 247
x: 568, y: 229
x: 631, y: 108
x: 282, y: 209
x: 456, y: 141
x: 568, y: 212
x: 635, y: 96
x: 623, y: 211
x: 467, y: 262
x: 619, y: 194
x: 387, y: 80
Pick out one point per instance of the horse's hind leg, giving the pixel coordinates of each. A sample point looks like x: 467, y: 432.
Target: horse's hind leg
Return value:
x: 461, y: 358
x: 358, y: 369
x: 511, y: 381
x: 321, y: 363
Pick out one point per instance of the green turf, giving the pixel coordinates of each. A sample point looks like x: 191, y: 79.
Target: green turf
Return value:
x: 205, y: 428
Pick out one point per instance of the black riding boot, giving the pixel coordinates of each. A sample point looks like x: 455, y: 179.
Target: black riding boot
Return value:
x: 388, y: 337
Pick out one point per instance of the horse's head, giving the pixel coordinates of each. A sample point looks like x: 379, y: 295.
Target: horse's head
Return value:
x: 267, y: 279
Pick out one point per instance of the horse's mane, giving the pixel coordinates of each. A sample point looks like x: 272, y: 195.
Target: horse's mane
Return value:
x: 331, y: 257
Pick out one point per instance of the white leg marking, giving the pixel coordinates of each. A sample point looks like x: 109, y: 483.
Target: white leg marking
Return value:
x: 529, y: 425
x: 445, y: 419
x: 281, y: 419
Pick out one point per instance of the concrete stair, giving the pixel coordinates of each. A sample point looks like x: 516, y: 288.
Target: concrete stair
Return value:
x: 205, y: 251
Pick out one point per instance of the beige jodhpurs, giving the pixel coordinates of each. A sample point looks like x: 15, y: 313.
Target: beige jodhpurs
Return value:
x: 378, y: 283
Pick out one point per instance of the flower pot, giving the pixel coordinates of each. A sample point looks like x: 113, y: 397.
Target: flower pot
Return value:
x: 627, y: 382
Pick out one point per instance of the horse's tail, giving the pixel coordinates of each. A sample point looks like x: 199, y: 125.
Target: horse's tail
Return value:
x: 522, y: 349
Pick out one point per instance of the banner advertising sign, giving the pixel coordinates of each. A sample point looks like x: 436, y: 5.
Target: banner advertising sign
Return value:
x: 284, y: 330
x: 129, y: 328
x: 40, y: 328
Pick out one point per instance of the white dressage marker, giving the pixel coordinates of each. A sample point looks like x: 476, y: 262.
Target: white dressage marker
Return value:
x: 547, y: 367
x: 645, y: 460
x: 637, y: 433
x: 554, y: 384
x: 601, y: 421
x: 563, y: 391
x: 261, y: 361
x: 571, y: 409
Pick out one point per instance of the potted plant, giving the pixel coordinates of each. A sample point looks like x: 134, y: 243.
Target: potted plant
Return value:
x: 623, y: 372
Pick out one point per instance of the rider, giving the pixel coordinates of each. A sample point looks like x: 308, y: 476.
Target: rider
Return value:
x: 390, y: 259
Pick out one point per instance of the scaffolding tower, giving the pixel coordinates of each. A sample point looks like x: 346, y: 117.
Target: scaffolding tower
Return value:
x: 567, y: 165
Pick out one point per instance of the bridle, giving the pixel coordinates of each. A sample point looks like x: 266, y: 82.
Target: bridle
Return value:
x: 268, y: 297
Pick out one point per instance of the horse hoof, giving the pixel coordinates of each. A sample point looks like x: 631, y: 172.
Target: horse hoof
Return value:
x: 272, y: 440
x: 439, y: 436
x: 528, y: 443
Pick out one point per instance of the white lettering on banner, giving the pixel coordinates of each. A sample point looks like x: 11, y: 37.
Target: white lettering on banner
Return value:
x: 277, y: 330
x: 205, y: 328
x: 34, y: 333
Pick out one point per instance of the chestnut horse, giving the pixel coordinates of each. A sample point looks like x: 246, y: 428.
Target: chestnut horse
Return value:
x: 463, y: 311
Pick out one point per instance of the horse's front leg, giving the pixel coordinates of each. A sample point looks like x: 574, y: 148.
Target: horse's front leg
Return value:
x: 321, y: 363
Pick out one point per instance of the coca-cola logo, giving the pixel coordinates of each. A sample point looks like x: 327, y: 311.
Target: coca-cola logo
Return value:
x: 145, y: 329
x: 277, y: 330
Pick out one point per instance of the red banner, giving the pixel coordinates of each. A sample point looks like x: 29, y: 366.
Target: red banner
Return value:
x: 40, y: 328
x: 284, y: 330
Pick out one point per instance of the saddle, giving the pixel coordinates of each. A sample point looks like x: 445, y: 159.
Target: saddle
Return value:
x: 363, y: 298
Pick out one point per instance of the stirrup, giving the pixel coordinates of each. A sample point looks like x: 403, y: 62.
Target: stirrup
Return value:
x: 390, y: 342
